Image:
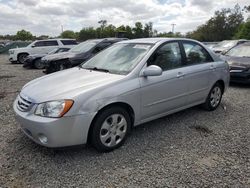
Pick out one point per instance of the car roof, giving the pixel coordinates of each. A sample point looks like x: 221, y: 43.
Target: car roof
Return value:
x: 155, y: 40
x: 54, y: 39
x: 108, y: 39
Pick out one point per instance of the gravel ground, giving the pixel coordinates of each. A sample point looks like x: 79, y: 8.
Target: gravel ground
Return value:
x: 192, y: 148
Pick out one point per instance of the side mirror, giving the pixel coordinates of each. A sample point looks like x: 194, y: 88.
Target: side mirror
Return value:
x: 152, y: 70
x: 33, y: 46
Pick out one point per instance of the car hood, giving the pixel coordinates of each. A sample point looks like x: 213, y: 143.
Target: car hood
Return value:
x: 58, y: 56
x: 237, y: 61
x: 67, y: 84
x: 21, y: 49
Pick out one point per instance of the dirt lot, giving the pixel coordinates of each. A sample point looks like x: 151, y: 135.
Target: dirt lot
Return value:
x: 192, y: 148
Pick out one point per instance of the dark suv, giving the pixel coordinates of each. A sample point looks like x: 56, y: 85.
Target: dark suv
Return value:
x: 77, y: 55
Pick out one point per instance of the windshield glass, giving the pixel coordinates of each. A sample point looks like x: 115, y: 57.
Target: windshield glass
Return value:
x: 53, y: 51
x: 226, y: 44
x: 83, y: 47
x: 119, y: 58
x: 239, y: 51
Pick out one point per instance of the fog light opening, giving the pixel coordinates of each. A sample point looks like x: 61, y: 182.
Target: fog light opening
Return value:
x: 42, y: 138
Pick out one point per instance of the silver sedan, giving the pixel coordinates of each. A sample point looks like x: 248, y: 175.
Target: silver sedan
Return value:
x: 129, y: 83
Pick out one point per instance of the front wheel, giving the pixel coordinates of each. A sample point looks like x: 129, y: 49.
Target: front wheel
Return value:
x: 214, y: 97
x: 38, y: 64
x: 110, y: 129
x: 21, y: 58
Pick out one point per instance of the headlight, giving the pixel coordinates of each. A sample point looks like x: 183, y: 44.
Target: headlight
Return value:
x: 11, y: 51
x: 54, y: 109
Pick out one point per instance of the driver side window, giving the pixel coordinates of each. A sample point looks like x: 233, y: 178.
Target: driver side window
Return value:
x: 167, y: 56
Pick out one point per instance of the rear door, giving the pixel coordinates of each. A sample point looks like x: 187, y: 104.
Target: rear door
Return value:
x: 167, y: 92
x: 199, y: 72
x: 50, y: 45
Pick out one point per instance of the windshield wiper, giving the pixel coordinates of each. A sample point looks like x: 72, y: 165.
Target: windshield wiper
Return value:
x: 96, y: 69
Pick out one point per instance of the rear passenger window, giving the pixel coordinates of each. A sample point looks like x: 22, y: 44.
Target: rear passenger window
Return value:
x: 69, y: 42
x: 167, y: 56
x: 51, y: 43
x: 195, y: 53
x: 39, y: 44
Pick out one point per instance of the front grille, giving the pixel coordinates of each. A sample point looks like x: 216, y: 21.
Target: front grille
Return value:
x: 23, y: 105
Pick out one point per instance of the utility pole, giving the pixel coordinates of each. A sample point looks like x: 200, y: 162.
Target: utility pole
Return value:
x: 62, y: 28
x: 173, y: 25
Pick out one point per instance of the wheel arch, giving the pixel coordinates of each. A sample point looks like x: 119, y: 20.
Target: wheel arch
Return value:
x: 222, y: 83
x: 123, y: 105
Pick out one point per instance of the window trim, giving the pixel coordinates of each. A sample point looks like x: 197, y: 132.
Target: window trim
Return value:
x: 181, y: 52
x: 185, y: 55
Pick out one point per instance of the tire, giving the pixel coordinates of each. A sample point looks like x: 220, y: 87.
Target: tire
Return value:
x: 21, y: 58
x: 214, y: 97
x: 110, y: 129
x: 38, y: 64
x: 63, y: 66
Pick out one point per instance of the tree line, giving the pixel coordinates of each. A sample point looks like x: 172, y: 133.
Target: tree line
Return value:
x: 225, y: 24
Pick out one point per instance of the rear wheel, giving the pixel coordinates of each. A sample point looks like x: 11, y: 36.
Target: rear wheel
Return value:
x: 214, y: 97
x: 21, y: 57
x: 110, y: 129
x: 38, y: 64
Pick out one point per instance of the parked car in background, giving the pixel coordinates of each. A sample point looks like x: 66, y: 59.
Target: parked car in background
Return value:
x: 127, y: 84
x: 38, y: 47
x: 226, y: 45
x: 77, y: 55
x: 238, y: 59
x: 210, y: 44
x: 34, y: 61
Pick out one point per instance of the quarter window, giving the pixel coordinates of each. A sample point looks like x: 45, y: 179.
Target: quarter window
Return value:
x: 195, y: 53
x: 167, y: 56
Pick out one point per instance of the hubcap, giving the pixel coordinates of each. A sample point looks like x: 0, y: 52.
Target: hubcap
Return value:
x: 21, y: 58
x: 39, y: 64
x: 215, y: 96
x: 113, y: 130
x: 61, y: 67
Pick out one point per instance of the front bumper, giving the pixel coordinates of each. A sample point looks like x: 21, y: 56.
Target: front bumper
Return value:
x: 240, y: 77
x: 28, y: 62
x: 54, y: 132
x: 12, y: 58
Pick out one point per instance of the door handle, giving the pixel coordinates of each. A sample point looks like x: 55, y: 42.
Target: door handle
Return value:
x: 180, y: 74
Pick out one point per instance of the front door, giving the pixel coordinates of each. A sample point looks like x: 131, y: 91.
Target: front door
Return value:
x: 167, y: 92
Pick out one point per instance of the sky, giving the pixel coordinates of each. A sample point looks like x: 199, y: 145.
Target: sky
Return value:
x: 46, y: 17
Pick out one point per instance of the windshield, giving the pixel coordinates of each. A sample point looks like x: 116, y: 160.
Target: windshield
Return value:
x: 226, y: 44
x: 239, y: 51
x: 53, y: 51
x: 119, y: 58
x: 83, y: 47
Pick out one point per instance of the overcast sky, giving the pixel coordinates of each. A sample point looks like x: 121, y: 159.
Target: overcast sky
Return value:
x: 47, y: 16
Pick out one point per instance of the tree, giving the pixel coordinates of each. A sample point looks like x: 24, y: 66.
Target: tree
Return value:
x: 244, y: 31
x: 24, y: 35
x: 223, y: 25
x: 87, y: 33
x: 68, y: 34
x: 148, y: 30
x: 138, y: 31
